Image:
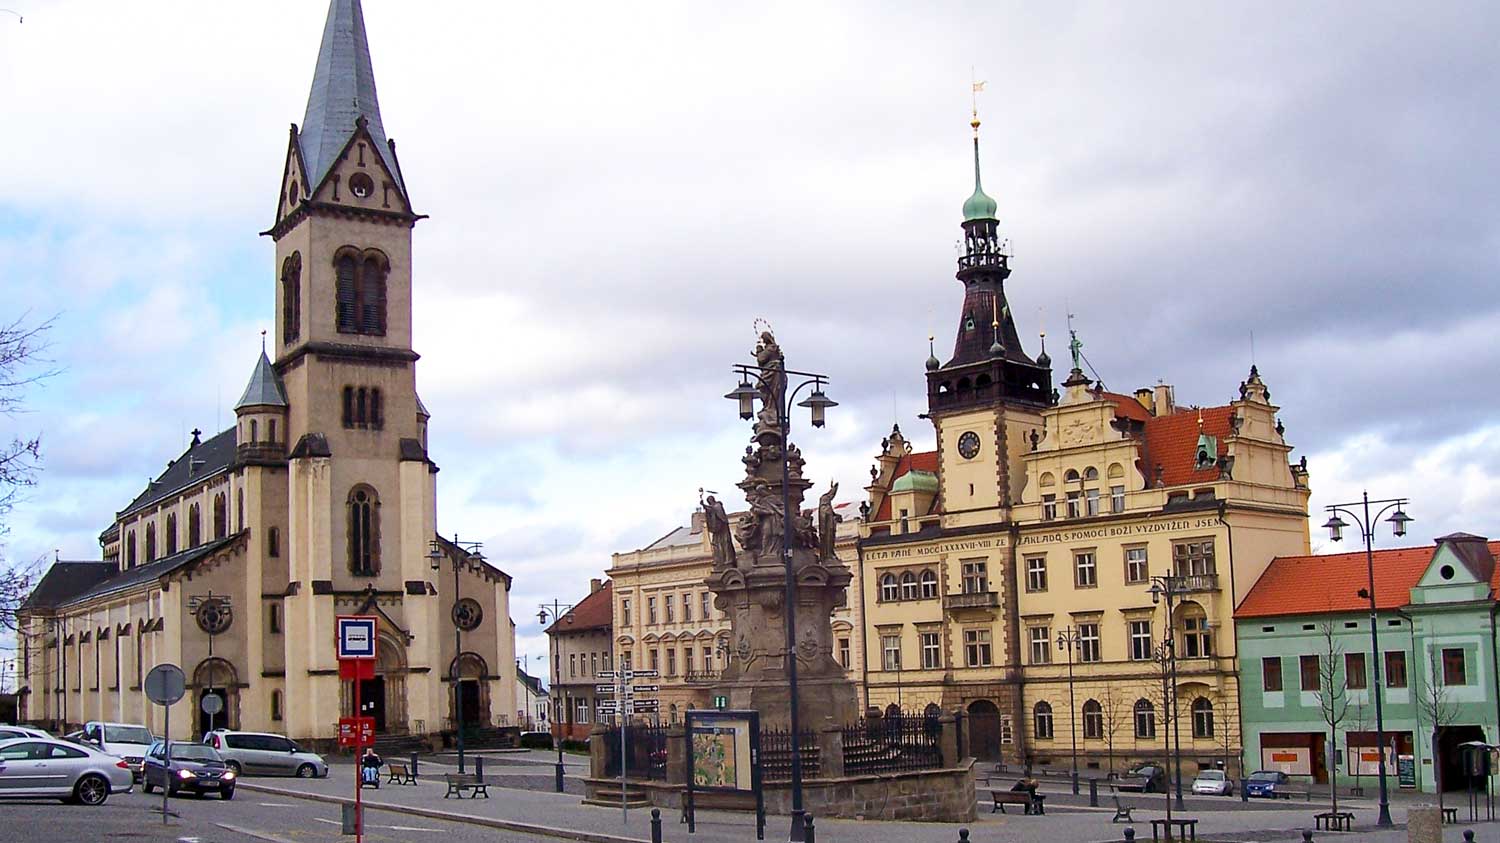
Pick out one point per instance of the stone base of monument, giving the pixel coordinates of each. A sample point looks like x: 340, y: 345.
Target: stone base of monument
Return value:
x: 942, y: 792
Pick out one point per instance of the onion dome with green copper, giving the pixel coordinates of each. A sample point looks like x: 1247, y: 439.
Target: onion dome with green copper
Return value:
x: 978, y: 206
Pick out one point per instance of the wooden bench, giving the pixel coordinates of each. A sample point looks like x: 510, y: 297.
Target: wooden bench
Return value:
x: 1333, y: 821
x: 1033, y: 804
x: 1450, y: 816
x: 1122, y: 812
x: 1283, y: 793
x: 400, y: 774
x: 1187, y: 829
x: 460, y: 782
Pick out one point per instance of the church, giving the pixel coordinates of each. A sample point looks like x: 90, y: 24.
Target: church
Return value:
x: 320, y: 501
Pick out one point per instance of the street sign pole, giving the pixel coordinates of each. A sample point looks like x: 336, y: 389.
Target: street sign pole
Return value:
x: 359, y: 807
x: 165, y: 684
x: 166, y: 786
x: 620, y: 697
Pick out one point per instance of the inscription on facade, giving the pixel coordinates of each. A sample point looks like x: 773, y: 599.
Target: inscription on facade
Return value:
x: 1120, y: 531
x: 935, y: 549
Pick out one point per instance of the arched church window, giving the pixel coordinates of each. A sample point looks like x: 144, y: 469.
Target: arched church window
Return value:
x: 360, y: 291
x: 195, y: 525
x: 291, y: 298
x: 364, y: 531
x: 345, y: 272
x: 239, y: 510
x: 221, y: 516
x: 275, y: 705
x: 372, y: 298
x: 273, y: 542
x: 171, y: 533
x: 150, y: 542
x: 254, y: 432
x: 130, y: 549
x: 271, y: 436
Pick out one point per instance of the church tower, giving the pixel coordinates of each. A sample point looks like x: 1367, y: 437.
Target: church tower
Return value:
x: 986, y: 400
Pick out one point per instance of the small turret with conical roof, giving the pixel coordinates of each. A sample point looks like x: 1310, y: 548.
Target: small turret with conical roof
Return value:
x: 261, y: 413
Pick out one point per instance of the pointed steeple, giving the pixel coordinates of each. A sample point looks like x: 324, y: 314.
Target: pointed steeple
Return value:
x: 264, y: 388
x: 979, y: 206
x: 343, y: 93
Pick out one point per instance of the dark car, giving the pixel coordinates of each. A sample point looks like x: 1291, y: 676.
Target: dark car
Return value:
x: 1264, y: 783
x: 193, y: 767
x: 1145, y: 778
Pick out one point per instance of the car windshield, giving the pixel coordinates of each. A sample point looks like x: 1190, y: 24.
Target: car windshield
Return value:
x: 193, y: 752
x: 1211, y: 776
x: 127, y: 734
x: 1147, y: 770
x: 1264, y: 776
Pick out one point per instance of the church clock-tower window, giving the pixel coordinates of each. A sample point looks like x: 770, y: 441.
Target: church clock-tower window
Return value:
x: 364, y: 532
x: 291, y: 298
x: 361, y: 291
x: 364, y: 408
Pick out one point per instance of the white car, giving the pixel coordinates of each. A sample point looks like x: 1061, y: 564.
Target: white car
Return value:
x: 9, y: 732
x: 130, y: 741
x: 1213, y: 783
x: 31, y: 767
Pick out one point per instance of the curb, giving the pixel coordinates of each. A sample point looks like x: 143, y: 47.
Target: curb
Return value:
x: 430, y: 813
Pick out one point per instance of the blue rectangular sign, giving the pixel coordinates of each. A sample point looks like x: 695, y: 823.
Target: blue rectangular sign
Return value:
x: 356, y: 637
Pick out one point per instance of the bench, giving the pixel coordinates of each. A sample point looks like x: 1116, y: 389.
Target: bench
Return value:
x: 1284, y: 793
x: 400, y: 774
x: 460, y: 782
x: 1031, y: 803
x: 1333, y: 821
x: 1187, y: 829
x: 1450, y: 816
x: 1122, y: 812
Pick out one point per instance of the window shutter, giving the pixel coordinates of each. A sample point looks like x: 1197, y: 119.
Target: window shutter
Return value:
x: 345, y: 302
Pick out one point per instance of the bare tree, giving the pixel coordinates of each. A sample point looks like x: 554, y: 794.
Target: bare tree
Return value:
x: 1163, y: 696
x: 1359, y: 714
x: 21, y: 366
x: 1437, y: 707
x: 1333, y: 701
x: 1112, y: 709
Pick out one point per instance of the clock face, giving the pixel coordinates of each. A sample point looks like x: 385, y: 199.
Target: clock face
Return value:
x: 968, y: 445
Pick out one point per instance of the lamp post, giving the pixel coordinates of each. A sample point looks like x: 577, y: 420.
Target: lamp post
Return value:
x: 1167, y: 588
x: 1068, y: 638
x: 775, y: 377
x: 1366, y: 524
x: 435, y: 554
x: 556, y: 610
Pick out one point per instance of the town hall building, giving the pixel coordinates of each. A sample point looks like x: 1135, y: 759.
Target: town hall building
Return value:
x: 320, y: 501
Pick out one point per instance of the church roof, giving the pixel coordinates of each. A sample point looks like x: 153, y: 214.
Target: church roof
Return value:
x: 343, y: 90
x: 64, y: 580
x: 197, y: 463
x: 264, y: 388
x: 122, y: 580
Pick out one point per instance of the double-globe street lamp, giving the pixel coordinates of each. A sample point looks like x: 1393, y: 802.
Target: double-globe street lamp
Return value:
x: 1168, y: 588
x: 559, y: 610
x: 1070, y: 640
x: 817, y: 403
x: 435, y: 554
x: 1367, y: 524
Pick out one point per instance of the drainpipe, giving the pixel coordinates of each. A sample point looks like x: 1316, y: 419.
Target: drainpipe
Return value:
x: 864, y: 620
x: 1494, y: 666
x: 1412, y: 675
x: 1234, y: 636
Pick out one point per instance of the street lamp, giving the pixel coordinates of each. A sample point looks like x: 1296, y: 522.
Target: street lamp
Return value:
x: 1068, y: 638
x: 1367, y: 524
x: 775, y: 377
x: 1167, y: 588
x: 557, y: 610
x: 435, y: 554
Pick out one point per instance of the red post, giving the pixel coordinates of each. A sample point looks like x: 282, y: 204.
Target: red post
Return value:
x: 359, y: 816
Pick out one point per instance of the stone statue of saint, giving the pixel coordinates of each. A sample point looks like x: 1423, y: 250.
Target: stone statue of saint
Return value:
x: 717, y: 522
x: 828, y: 522
x: 762, y: 530
x: 772, y: 379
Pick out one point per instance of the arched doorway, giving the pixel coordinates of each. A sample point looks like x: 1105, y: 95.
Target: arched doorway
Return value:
x: 216, y: 678
x: 984, y: 730
x: 384, y: 696
x: 471, y: 692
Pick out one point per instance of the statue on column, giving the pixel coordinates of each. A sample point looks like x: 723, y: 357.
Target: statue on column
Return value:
x: 772, y: 381
x: 828, y: 522
x: 717, y: 522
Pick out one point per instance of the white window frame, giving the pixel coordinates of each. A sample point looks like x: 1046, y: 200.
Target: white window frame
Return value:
x: 932, y: 650
x: 1041, y: 644
x: 1089, y: 649
x: 1036, y: 574
x: 1085, y: 569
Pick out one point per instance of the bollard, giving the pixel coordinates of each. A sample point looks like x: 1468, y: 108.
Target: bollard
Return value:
x: 1129, y: 834
x: 1306, y: 836
x: 1093, y: 793
x: 413, y: 765
x: 809, y: 835
x: 655, y: 825
x: 1244, y: 794
x: 479, y: 768
x: 963, y: 835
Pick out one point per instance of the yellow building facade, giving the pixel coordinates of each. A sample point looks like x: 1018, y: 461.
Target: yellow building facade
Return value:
x: 1030, y: 539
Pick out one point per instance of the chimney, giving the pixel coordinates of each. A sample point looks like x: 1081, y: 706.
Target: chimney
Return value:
x: 698, y: 521
x: 595, y: 584
x: 1163, y: 400
x: 1143, y: 397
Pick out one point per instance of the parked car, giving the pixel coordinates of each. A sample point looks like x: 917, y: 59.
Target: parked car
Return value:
x: 129, y: 741
x: 31, y: 767
x: 193, y: 766
x: 1213, y: 783
x: 1264, y: 783
x: 1146, y: 778
x: 9, y: 732
x: 265, y: 754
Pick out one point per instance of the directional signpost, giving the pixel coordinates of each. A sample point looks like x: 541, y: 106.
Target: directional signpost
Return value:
x: 165, y: 684
x: 356, y: 649
x: 625, y: 703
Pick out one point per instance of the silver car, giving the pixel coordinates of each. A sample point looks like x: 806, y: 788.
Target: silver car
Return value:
x: 265, y: 754
x: 31, y: 767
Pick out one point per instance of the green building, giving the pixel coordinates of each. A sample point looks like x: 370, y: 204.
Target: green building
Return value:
x: 1304, y: 645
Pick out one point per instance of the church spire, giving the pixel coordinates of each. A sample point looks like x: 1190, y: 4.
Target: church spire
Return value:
x: 979, y: 206
x: 342, y: 95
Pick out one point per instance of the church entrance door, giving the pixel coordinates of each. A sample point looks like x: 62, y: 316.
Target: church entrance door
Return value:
x: 372, y: 701
x: 468, y: 696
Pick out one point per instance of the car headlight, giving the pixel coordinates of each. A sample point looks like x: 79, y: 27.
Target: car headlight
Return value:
x: 186, y: 774
x: 228, y: 774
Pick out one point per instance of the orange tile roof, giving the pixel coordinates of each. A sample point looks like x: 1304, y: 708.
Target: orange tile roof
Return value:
x: 1127, y: 406
x: 593, y: 612
x: 921, y: 461
x: 1172, y: 443
x: 1304, y: 585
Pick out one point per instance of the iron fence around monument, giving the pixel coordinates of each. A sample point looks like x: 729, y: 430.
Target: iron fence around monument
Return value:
x: 892, y: 744
x: 645, y: 747
x: 776, y: 755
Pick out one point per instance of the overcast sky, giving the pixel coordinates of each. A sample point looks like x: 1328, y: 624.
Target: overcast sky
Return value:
x: 617, y: 191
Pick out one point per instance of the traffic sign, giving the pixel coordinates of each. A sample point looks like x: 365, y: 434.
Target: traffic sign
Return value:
x: 721, y: 701
x: 165, y: 684
x: 646, y: 705
x: 605, y: 674
x: 645, y: 689
x: 212, y: 704
x: 356, y: 636
x: 356, y: 731
x: 644, y: 674
x: 604, y: 689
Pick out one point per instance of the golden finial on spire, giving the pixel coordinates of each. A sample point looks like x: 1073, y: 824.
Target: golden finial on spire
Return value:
x: 977, y: 86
